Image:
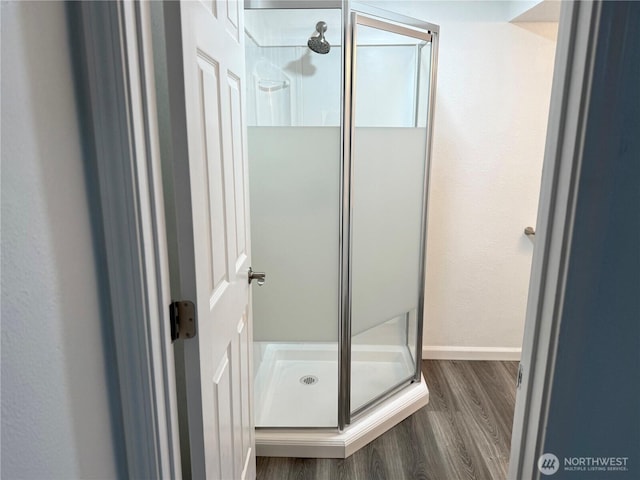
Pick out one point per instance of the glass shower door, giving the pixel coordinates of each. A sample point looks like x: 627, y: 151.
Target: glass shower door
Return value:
x: 391, y: 69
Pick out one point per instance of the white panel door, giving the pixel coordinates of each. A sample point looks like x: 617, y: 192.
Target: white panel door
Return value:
x: 206, y: 57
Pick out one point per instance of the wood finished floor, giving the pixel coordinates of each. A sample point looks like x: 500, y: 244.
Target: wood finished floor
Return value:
x: 464, y: 433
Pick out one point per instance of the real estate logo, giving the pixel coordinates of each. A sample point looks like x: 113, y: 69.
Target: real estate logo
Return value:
x: 548, y: 464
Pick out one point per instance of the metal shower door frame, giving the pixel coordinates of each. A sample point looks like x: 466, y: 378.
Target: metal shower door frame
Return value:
x: 360, y: 14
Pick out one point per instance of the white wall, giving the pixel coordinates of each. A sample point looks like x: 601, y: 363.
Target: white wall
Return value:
x: 311, y: 96
x: 292, y: 86
x: 55, y: 403
x: 494, y: 85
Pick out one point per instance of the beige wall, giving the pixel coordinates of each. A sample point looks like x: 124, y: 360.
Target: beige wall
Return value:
x: 494, y: 86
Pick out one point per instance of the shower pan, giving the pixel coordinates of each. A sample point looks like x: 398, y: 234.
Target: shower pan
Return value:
x: 339, y: 149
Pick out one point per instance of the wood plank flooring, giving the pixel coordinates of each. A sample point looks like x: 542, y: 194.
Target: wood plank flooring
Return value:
x: 464, y: 433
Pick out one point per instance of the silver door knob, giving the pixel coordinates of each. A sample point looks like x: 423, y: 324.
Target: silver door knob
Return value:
x: 259, y: 277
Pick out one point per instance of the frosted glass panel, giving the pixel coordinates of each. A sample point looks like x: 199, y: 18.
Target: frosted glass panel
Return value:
x: 388, y: 180
x: 295, y: 197
x: 389, y: 163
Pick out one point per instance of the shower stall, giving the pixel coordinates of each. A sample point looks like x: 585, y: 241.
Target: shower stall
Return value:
x: 340, y: 111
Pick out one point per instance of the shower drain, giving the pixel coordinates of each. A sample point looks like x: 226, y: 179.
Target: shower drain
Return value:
x: 309, y: 380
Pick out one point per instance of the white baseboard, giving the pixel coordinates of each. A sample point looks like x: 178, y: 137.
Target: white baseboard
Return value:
x: 470, y: 353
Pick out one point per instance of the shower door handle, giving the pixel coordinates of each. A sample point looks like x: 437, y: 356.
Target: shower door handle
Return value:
x: 259, y: 277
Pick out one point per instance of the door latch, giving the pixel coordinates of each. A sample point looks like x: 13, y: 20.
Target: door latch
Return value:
x: 259, y: 277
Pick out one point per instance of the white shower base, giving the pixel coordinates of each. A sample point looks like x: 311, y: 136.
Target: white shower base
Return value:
x: 296, y: 409
x: 283, y: 400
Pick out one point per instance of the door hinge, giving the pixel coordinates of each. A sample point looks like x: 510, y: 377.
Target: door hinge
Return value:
x: 519, y: 377
x: 182, y: 315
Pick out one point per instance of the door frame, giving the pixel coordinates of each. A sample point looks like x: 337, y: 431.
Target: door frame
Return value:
x: 113, y: 59
x: 117, y: 85
x: 568, y: 115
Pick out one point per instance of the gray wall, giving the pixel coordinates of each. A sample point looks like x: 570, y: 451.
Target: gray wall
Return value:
x: 57, y: 392
x: 595, y: 398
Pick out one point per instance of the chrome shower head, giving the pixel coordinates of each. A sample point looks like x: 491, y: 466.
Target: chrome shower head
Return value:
x: 317, y: 42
